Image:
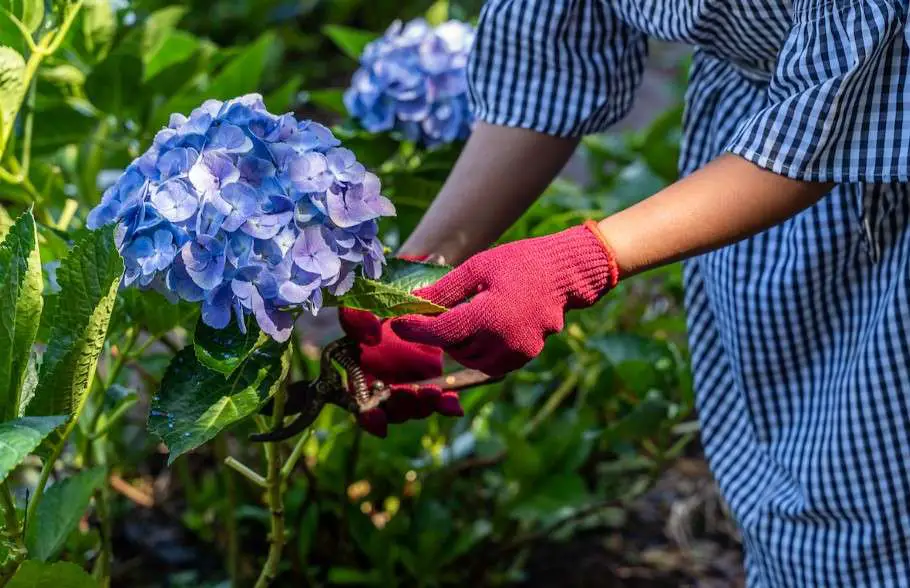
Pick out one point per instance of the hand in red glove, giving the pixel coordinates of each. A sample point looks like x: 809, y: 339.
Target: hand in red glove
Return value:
x: 385, y: 356
x: 505, y: 301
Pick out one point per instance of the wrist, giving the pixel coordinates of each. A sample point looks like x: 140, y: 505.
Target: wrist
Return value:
x: 584, y: 264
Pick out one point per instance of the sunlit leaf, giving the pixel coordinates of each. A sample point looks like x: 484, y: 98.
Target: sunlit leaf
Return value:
x: 18, y: 438
x: 88, y: 277
x: 12, y: 89
x: 20, y: 309
x: 391, y: 295
x: 351, y: 41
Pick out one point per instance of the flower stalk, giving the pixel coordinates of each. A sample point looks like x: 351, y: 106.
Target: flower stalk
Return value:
x: 274, y: 495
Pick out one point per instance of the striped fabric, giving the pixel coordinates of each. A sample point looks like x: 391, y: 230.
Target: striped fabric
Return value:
x: 800, y: 336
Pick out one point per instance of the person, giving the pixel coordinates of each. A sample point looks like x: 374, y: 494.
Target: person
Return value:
x: 791, y: 215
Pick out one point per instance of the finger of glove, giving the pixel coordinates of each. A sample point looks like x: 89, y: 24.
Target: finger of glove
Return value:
x: 402, y: 404
x: 455, y: 287
x: 449, y: 405
x: 374, y: 422
x: 445, y: 330
x: 360, y: 325
x: 395, y: 360
x: 427, y: 399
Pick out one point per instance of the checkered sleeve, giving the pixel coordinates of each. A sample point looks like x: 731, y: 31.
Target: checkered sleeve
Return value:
x: 838, y: 106
x: 561, y: 67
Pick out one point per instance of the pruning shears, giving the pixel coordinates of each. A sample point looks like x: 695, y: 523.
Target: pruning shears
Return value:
x: 307, y: 398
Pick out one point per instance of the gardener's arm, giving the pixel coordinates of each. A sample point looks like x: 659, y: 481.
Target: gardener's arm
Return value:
x: 500, y: 172
x: 503, y: 170
x: 506, y: 300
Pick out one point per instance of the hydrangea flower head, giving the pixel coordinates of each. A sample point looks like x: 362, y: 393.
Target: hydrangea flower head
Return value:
x: 248, y: 213
x: 412, y: 80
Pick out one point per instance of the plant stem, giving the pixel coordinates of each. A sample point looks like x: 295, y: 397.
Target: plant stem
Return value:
x: 11, y: 519
x: 291, y: 461
x: 552, y: 403
x: 27, y: 129
x: 230, y: 517
x: 245, y: 471
x: 274, y: 496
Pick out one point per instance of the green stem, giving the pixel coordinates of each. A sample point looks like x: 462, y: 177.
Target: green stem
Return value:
x: 98, y: 432
x: 288, y: 468
x: 274, y: 497
x: 102, y: 571
x: 11, y: 518
x: 28, y: 123
x: 552, y: 403
x: 245, y: 471
x: 230, y: 515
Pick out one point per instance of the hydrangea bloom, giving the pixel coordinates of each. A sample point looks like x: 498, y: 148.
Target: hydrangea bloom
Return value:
x: 246, y: 212
x: 412, y: 80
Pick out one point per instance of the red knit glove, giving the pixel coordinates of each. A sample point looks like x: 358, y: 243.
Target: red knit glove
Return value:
x: 505, y: 301
x: 385, y: 356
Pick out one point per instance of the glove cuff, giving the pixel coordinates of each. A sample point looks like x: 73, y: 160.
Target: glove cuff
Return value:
x: 586, y: 264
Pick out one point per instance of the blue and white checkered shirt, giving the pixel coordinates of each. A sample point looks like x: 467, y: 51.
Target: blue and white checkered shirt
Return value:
x: 800, y: 335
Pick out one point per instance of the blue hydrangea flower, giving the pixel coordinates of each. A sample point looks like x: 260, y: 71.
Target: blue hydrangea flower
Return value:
x: 246, y: 212
x: 412, y: 80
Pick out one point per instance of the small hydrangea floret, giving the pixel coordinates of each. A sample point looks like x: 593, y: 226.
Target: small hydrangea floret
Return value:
x: 247, y: 212
x: 412, y: 80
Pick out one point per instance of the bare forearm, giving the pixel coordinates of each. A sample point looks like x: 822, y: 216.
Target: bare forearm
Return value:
x: 498, y: 176
x: 726, y: 201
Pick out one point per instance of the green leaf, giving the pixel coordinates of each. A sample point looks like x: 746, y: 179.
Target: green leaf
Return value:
x: 391, y: 296
x: 196, y: 403
x: 99, y: 25
x: 59, y: 512
x: 438, y: 13
x: 243, y: 73
x: 153, y: 311
x: 33, y: 574
x: 158, y: 26
x: 20, y: 309
x: 10, y: 35
x: 176, y: 47
x: 12, y: 89
x: 351, y: 41
x: 550, y: 495
x: 239, y: 76
x: 114, y: 84
x: 20, y: 437
x: 641, y: 364
x: 5, y: 222
x: 223, y: 350
x: 88, y: 277
x: 60, y: 125
x: 284, y: 98
x: 642, y: 421
x: 331, y: 99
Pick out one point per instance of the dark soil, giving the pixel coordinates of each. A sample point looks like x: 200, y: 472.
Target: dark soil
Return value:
x: 676, y: 535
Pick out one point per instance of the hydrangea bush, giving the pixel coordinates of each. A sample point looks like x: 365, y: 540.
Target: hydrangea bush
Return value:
x: 247, y: 212
x: 412, y: 80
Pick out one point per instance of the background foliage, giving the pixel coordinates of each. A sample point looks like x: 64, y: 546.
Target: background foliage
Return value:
x: 552, y: 451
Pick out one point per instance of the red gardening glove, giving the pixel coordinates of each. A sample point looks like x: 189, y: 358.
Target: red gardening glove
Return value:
x: 505, y: 301
x: 385, y: 356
